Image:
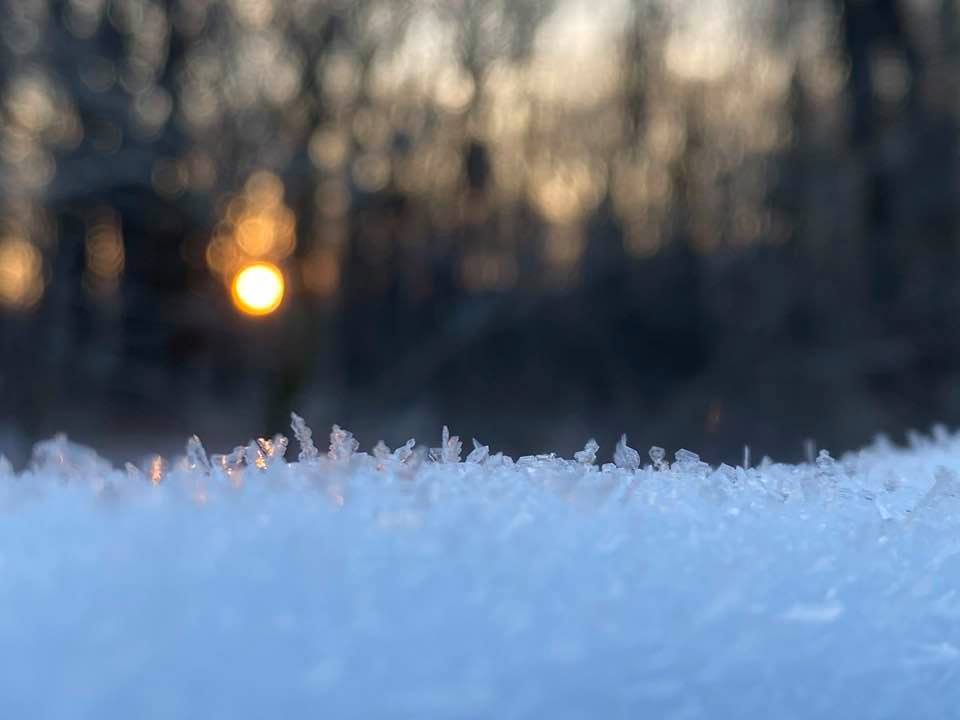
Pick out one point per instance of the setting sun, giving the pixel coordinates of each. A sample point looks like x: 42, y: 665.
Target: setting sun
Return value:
x: 258, y: 289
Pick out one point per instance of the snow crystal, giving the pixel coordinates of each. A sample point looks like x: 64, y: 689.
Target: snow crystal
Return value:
x: 228, y: 463
x: 253, y: 455
x: 658, y: 457
x: 412, y: 584
x: 587, y: 456
x: 304, y: 437
x: 405, y: 451
x: 625, y: 456
x: 342, y: 444
x: 273, y: 450
x: 687, y: 461
x: 381, y: 451
x: 479, y: 454
x: 449, y: 450
x: 197, y: 456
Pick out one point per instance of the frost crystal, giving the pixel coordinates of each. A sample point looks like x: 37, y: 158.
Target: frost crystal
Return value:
x: 659, y: 457
x: 587, y: 456
x: 381, y: 451
x: 273, y: 450
x: 197, y: 456
x: 499, y: 460
x: 625, y: 456
x: 688, y: 462
x: 157, y: 469
x: 403, y: 453
x: 342, y: 444
x: 479, y: 454
x: 253, y: 456
x: 946, y: 487
x: 304, y: 436
x: 231, y: 461
x: 449, y: 450
x: 68, y: 461
x: 825, y: 464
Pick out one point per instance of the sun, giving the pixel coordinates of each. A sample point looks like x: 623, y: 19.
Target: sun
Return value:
x: 258, y: 288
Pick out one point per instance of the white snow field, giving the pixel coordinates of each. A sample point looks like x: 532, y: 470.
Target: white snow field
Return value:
x: 411, y: 584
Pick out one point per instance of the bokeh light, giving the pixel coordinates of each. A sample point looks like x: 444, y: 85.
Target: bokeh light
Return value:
x: 104, y: 253
x: 258, y: 289
x: 21, y: 279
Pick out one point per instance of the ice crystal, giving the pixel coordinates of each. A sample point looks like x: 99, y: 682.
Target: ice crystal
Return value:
x: 342, y: 444
x: 404, y: 452
x: 825, y: 464
x: 273, y: 449
x: 479, y: 454
x: 449, y: 450
x: 686, y: 460
x: 304, y: 436
x: 231, y: 461
x: 381, y: 451
x: 253, y: 455
x: 157, y: 469
x: 587, y: 456
x: 624, y: 456
x: 945, y: 488
x: 659, y: 458
x: 197, y: 456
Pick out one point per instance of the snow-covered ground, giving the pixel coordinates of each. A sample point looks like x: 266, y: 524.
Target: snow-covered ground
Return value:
x: 410, y: 584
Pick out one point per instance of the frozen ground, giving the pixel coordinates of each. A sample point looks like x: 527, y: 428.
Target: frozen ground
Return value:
x: 410, y: 584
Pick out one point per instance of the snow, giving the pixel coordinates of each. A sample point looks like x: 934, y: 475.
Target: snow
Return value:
x: 409, y: 584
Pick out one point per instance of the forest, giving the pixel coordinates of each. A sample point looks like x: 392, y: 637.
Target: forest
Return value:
x: 708, y: 224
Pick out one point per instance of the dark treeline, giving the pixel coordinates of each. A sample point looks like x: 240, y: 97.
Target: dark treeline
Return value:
x: 704, y: 224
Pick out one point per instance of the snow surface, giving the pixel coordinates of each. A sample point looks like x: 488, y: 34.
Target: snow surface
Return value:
x: 409, y: 584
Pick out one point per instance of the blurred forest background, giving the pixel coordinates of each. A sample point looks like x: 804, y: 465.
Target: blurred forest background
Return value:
x: 702, y: 222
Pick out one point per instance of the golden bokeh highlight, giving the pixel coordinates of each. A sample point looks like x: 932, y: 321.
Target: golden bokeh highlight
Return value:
x: 256, y: 226
x: 104, y: 253
x: 321, y: 273
x: 21, y: 273
x: 258, y: 289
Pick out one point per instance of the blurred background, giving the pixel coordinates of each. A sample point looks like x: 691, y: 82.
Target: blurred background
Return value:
x: 702, y: 222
